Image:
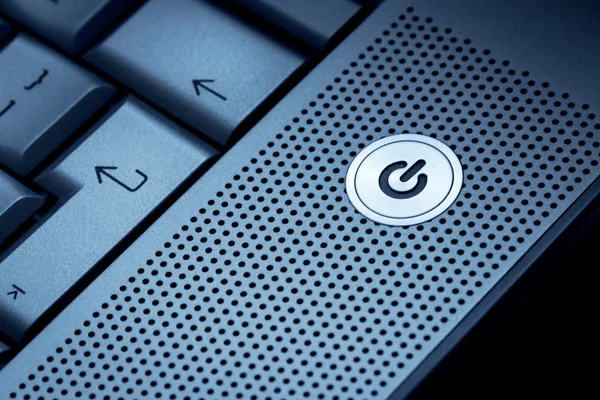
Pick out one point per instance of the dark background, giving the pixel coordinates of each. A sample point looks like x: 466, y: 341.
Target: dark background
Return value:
x: 542, y: 341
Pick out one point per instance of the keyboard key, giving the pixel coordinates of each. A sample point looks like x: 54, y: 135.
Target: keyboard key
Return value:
x: 197, y: 62
x: 71, y: 24
x: 105, y: 187
x: 5, y: 30
x: 44, y: 98
x: 314, y: 21
x: 17, y: 203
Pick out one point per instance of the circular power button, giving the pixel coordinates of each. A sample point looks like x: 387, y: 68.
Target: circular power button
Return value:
x: 404, y: 179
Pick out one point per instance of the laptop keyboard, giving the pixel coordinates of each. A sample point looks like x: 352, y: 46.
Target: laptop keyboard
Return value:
x: 45, y: 98
x: 104, y: 188
x: 98, y: 129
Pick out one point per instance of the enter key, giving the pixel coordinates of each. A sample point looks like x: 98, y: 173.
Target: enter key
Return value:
x: 105, y: 187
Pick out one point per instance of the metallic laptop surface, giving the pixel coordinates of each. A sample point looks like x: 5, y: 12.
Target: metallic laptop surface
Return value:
x: 350, y: 239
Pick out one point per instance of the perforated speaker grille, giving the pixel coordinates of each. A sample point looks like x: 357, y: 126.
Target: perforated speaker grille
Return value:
x: 278, y: 289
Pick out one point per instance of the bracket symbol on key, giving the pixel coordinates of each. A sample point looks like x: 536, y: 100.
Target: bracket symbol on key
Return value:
x: 38, y: 81
x: 8, y: 107
x: 100, y: 170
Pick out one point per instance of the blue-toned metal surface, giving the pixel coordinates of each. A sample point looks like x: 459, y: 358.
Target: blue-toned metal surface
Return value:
x: 262, y: 281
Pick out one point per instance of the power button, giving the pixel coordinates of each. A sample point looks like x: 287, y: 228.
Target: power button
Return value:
x: 404, y: 179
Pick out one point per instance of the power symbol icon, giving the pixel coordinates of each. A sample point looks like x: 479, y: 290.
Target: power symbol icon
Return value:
x: 400, y: 182
x: 404, y: 179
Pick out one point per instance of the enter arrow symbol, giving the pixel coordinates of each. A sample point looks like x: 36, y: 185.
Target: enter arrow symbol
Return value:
x: 104, y: 171
x: 200, y: 83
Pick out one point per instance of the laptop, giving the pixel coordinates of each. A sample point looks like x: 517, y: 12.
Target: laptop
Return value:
x: 278, y: 199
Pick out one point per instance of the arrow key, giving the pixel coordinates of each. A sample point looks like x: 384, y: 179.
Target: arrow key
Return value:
x: 213, y: 69
x: 109, y: 182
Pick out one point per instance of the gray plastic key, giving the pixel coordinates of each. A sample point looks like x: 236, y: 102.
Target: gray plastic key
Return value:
x: 197, y: 62
x: 314, y: 21
x: 105, y: 187
x: 44, y: 98
x: 17, y: 203
x: 71, y: 24
x: 5, y: 30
